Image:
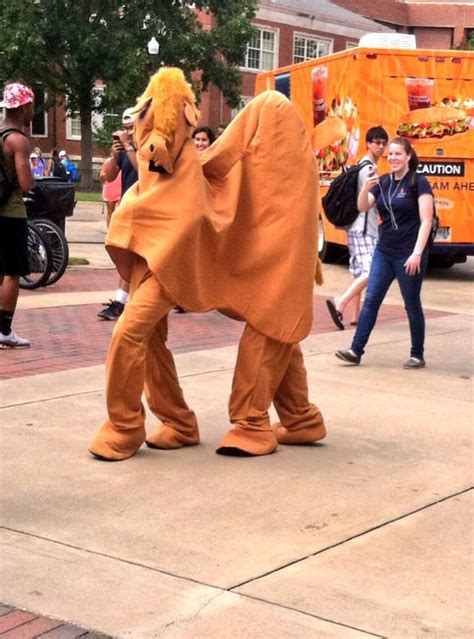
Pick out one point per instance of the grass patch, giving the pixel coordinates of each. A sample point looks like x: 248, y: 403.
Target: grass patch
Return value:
x: 82, y: 196
x: 78, y: 261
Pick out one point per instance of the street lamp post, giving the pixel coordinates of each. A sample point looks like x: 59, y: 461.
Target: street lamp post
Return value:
x: 153, y: 46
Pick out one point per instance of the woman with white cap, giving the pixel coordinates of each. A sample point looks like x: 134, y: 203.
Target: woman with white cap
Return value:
x: 36, y: 167
x: 55, y: 167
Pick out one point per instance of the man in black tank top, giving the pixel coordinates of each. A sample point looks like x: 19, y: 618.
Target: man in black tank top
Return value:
x: 18, y: 101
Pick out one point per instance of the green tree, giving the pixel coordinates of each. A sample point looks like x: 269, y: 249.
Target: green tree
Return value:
x: 68, y: 45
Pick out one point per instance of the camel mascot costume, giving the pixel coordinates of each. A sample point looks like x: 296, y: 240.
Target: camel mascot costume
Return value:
x: 233, y: 229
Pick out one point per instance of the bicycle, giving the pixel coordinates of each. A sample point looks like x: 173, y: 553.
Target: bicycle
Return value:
x: 40, y: 258
x: 53, y: 198
x: 59, y: 248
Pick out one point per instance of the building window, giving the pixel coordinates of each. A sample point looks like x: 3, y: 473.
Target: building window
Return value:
x: 307, y: 48
x: 73, y: 120
x: 39, y: 123
x: 73, y: 127
x: 260, y: 54
x: 244, y: 100
x: 351, y: 45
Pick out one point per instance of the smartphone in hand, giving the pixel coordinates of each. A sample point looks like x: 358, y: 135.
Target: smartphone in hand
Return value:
x: 116, y: 143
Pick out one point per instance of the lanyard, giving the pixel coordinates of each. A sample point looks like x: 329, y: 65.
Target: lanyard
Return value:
x: 388, y: 205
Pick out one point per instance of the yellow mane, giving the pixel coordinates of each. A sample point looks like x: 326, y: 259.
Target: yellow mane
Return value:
x: 169, y: 89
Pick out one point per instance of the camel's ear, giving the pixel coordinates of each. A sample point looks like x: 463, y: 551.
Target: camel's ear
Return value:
x: 190, y: 114
x: 141, y: 106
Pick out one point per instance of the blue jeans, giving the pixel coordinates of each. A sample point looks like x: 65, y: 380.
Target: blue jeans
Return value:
x: 385, y: 268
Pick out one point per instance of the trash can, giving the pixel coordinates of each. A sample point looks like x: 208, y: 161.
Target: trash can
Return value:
x: 52, y: 198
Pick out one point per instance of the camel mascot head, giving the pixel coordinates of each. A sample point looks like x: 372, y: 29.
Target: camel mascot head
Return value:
x: 165, y: 116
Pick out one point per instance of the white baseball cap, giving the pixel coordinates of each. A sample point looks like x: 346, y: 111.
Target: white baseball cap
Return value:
x: 127, y: 117
x: 62, y: 154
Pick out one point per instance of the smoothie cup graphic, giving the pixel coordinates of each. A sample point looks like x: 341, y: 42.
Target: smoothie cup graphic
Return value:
x: 419, y: 92
x: 319, y: 78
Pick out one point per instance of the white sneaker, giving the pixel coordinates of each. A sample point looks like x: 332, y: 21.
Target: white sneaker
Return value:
x: 12, y: 340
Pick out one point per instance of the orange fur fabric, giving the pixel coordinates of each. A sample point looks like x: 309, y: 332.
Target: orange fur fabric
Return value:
x: 234, y: 228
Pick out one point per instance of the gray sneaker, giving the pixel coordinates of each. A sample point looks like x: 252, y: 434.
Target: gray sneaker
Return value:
x: 414, y: 362
x: 12, y: 340
x: 349, y: 356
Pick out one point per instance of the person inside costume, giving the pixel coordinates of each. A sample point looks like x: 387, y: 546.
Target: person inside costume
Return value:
x: 234, y: 229
x: 203, y: 137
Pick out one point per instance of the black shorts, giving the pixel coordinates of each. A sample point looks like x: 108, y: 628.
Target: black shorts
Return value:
x: 13, y: 246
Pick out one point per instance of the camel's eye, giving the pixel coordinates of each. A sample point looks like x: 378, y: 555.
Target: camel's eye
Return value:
x: 144, y: 111
x: 152, y: 147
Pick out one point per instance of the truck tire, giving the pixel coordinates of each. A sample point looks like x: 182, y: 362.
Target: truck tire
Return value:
x: 327, y: 251
x: 441, y: 261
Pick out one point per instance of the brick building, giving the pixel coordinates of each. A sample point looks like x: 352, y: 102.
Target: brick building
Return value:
x: 290, y: 31
x: 436, y: 25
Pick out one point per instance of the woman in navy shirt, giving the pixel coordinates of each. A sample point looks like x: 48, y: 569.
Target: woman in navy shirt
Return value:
x: 404, y: 201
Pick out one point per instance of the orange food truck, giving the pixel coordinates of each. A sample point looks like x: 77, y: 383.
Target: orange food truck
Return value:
x: 425, y: 95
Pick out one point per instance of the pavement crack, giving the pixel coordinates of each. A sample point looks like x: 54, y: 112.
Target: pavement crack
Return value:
x: 102, y: 389
x: 381, y: 343
x: 194, y: 615
x: 352, y: 537
x: 313, y: 616
x: 98, y: 553
x: 52, y: 399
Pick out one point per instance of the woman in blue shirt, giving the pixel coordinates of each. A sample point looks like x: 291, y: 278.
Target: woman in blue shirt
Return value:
x: 404, y: 201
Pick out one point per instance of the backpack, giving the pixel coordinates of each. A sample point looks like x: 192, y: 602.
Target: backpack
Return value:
x: 435, y: 220
x: 6, y: 183
x: 59, y: 170
x: 413, y: 185
x: 340, y: 201
x: 71, y: 170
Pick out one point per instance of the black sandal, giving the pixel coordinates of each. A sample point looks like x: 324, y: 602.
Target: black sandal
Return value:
x: 336, y: 315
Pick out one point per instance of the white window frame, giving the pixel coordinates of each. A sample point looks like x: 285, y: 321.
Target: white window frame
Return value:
x: 45, y: 115
x: 244, y: 100
x: 71, y: 120
x: 313, y: 38
x: 261, y: 29
x: 351, y: 44
x: 96, y: 118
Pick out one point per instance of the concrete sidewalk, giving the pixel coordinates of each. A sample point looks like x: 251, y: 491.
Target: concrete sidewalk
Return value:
x: 349, y: 538
x: 365, y: 534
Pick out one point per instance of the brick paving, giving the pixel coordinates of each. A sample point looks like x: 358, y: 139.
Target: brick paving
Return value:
x: 17, y: 624
x: 70, y: 337
x: 77, y: 279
